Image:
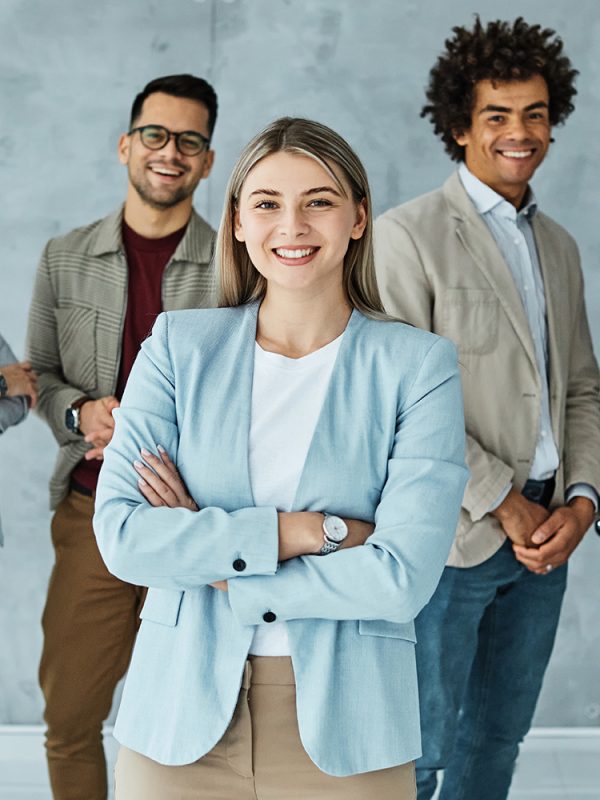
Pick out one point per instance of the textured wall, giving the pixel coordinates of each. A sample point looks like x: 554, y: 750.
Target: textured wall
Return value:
x: 68, y: 73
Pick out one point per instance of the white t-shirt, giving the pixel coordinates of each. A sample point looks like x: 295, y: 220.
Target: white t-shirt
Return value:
x: 287, y: 397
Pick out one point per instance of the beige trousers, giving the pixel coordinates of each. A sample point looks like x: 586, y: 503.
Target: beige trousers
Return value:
x: 89, y: 623
x: 260, y: 757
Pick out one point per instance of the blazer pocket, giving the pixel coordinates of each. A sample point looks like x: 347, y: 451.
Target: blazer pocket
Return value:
x: 470, y: 319
x: 76, y: 335
x: 162, y: 606
x: 384, y: 627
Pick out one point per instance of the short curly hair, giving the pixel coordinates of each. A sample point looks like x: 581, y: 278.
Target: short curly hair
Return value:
x: 500, y: 51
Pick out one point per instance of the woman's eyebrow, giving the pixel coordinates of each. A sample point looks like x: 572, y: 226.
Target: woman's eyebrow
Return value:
x: 270, y: 192
x: 320, y: 189
x: 316, y: 190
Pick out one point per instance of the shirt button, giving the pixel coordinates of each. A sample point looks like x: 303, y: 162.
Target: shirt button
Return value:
x: 239, y: 565
x: 269, y: 616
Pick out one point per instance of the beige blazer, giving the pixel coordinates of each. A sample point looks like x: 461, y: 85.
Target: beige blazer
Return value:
x: 439, y: 268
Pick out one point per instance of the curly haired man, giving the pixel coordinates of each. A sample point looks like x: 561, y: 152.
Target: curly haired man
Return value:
x: 478, y: 262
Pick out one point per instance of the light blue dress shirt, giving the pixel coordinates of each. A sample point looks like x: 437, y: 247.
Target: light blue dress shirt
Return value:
x: 512, y: 231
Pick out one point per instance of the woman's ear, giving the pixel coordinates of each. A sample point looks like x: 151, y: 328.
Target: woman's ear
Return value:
x: 361, y: 219
x: 238, y: 231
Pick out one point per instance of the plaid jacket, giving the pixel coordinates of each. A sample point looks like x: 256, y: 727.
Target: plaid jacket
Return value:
x: 77, y: 315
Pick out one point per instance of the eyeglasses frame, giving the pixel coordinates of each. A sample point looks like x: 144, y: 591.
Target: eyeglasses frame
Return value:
x: 171, y: 135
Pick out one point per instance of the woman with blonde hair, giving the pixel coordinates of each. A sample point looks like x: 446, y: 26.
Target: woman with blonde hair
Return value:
x: 306, y: 511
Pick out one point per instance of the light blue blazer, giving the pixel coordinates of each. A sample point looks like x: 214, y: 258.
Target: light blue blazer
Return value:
x: 388, y: 448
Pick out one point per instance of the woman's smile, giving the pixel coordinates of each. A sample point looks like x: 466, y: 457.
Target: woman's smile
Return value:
x: 295, y: 256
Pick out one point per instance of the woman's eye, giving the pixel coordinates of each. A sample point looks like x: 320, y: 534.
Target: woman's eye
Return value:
x: 266, y: 204
x: 320, y: 203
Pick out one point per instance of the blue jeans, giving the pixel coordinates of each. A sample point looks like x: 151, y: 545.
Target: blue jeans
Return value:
x: 483, y: 644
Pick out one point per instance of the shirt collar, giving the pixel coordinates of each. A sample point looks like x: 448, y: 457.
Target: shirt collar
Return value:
x: 196, y: 244
x: 486, y: 200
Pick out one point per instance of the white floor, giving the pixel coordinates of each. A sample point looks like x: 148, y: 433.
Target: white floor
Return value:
x: 554, y: 764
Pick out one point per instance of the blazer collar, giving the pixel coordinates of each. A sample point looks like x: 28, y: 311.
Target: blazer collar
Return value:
x: 481, y: 246
x: 196, y: 245
x: 558, y: 323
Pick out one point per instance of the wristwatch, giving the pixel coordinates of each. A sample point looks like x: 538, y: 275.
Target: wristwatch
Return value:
x: 3, y: 386
x: 72, y: 416
x: 335, y: 531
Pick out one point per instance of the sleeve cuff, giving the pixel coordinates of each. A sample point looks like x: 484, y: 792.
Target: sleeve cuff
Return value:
x: 501, y: 498
x: 582, y: 490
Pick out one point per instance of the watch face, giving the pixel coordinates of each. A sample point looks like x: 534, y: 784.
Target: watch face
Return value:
x: 3, y: 386
x: 335, y: 528
x: 72, y: 420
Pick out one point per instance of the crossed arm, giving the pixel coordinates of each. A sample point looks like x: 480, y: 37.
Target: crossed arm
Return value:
x: 299, y: 532
x: 391, y: 577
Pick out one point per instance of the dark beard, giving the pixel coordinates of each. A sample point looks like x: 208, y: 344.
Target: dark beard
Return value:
x: 161, y: 205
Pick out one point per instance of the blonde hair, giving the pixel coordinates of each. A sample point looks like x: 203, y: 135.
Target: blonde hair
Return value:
x: 239, y: 281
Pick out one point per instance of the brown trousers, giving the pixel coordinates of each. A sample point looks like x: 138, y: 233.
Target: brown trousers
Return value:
x: 260, y: 757
x: 89, y: 624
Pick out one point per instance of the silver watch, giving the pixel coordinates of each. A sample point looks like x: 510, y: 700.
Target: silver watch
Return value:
x: 335, y: 531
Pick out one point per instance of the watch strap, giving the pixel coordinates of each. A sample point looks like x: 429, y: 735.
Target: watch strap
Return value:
x: 328, y: 546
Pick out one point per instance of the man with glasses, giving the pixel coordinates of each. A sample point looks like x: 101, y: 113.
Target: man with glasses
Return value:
x: 97, y: 293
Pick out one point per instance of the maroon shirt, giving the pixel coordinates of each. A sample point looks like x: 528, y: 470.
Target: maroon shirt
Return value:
x: 146, y: 262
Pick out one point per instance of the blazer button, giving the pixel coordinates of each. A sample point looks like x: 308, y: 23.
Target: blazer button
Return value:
x: 239, y: 565
x: 269, y: 616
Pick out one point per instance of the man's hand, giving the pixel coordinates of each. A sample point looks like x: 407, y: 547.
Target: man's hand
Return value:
x: 160, y: 483
x: 519, y: 517
x: 21, y: 380
x: 97, y: 424
x: 557, y: 537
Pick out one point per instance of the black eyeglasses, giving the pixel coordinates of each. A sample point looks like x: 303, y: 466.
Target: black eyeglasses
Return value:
x: 155, y: 137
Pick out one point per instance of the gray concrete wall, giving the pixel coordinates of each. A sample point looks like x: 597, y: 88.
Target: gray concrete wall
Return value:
x: 68, y: 73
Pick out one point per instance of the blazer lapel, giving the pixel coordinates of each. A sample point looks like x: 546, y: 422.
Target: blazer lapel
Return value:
x: 314, y: 486
x: 481, y: 246
x: 557, y: 334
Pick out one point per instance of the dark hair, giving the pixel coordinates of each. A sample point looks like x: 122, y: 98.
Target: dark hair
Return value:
x: 500, y: 51
x: 187, y: 86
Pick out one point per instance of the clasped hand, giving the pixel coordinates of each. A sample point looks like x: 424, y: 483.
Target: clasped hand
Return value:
x: 544, y: 540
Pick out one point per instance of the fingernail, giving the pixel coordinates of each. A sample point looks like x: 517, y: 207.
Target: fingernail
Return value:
x: 142, y: 482
x: 537, y: 538
x: 138, y: 465
x: 145, y: 452
x: 160, y: 448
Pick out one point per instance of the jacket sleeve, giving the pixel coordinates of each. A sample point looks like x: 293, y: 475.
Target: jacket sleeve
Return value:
x: 168, y: 548
x: 12, y: 409
x: 54, y: 394
x: 395, y: 573
x: 407, y: 293
x: 582, y: 412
